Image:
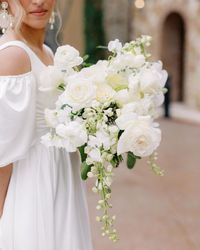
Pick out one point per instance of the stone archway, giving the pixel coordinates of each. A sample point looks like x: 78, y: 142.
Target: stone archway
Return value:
x: 173, y: 48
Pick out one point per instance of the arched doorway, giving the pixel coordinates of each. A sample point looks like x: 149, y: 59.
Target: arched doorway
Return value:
x: 173, y: 46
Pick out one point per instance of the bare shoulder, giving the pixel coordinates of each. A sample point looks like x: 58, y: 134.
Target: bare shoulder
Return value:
x: 14, y: 61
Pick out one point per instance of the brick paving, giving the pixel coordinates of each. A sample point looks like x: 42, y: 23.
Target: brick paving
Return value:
x: 157, y: 213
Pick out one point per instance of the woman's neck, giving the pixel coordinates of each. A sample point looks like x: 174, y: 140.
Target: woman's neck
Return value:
x: 33, y: 37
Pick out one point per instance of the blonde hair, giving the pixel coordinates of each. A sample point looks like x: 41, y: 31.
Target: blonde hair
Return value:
x: 18, y: 15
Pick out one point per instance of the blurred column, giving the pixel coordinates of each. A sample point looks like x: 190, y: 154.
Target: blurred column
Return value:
x: 72, y: 32
x: 116, y: 19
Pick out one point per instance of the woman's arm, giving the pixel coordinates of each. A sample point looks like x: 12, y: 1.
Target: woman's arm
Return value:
x: 5, y: 174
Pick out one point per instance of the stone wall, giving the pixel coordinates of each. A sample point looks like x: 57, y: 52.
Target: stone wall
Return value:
x: 151, y: 19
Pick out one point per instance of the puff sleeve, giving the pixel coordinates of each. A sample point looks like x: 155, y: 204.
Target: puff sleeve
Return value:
x: 17, y: 116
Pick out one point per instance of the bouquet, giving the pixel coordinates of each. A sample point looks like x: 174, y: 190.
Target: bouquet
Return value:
x: 106, y: 111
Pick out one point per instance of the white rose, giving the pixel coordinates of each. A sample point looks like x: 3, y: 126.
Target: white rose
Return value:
x: 115, y: 46
x: 79, y: 93
x: 74, y: 135
x: 104, y: 92
x: 117, y: 81
x: 124, y: 120
x: 50, y: 78
x: 50, y: 117
x: 67, y: 57
x: 141, y: 138
x: 97, y: 73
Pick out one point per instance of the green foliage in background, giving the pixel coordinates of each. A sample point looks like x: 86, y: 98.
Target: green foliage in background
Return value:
x: 94, y: 31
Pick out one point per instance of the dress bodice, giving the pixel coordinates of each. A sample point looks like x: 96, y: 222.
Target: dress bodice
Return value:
x: 22, y: 104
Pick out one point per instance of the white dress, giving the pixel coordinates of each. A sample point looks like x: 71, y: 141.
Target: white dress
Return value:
x: 45, y: 207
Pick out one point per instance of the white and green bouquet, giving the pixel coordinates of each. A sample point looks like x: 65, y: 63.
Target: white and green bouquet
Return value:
x: 106, y: 111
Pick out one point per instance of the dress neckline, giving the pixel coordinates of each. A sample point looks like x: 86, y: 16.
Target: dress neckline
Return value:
x: 31, y: 50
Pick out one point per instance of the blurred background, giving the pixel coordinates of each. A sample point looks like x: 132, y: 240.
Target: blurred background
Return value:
x: 153, y: 213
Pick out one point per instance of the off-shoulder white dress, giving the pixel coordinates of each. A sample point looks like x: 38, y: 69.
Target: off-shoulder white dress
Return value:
x: 45, y: 207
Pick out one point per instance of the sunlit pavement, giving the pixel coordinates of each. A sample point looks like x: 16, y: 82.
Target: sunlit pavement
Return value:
x: 157, y: 213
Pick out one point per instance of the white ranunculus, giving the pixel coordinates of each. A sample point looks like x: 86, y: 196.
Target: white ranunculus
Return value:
x: 141, y: 138
x: 50, y: 78
x: 51, y: 118
x: 122, y: 97
x: 74, y: 135
x: 79, y: 93
x: 115, y: 46
x: 67, y: 57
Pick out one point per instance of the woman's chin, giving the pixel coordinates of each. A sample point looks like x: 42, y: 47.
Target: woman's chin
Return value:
x: 37, y: 25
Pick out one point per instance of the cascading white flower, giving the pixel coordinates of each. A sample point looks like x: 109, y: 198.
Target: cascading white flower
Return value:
x: 115, y: 46
x: 73, y: 134
x: 79, y: 93
x: 67, y: 57
x: 141, y: 137
x: 50, y: 79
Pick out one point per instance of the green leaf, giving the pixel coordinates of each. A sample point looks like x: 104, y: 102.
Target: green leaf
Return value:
x: 85, y: 169
x: 82, y: 153
x: 102, y: 47
x: 131, y: 160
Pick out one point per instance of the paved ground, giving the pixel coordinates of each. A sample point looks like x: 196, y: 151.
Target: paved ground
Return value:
x: 158, y: 213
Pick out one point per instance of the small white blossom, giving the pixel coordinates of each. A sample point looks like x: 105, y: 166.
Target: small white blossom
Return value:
x: 115, y: 46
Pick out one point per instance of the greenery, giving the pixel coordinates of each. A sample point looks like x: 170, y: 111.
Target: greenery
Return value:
x: 94, y: 31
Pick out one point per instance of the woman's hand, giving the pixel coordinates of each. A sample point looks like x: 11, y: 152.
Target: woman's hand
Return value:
x: 5, y: 175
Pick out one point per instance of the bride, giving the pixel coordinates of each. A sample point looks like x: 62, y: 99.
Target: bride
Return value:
x: 42, y: 198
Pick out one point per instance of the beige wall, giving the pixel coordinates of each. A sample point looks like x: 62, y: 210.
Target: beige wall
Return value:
x: 73, y: 26
x: 150, y: 21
